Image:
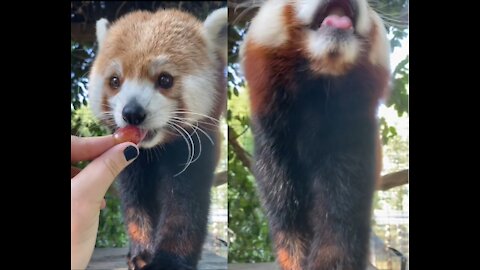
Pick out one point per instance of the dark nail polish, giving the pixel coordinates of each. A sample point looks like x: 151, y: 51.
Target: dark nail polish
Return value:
x: 130, y: 152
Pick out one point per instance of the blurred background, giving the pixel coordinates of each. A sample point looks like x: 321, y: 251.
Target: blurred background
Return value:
x: 248, y: 229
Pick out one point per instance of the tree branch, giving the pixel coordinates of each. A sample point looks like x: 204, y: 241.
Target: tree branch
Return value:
x: 241, y: 154
x: 387, y: 181
x: 392, y: 180
x: 220, y: 179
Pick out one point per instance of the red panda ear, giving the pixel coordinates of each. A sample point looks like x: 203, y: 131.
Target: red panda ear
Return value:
x: 102, y: 29
x: 216, y: 31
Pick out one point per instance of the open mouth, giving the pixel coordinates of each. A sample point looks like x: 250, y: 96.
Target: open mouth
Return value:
x: 135, y: 134
x: 149, y: 134
x: 338, y: 14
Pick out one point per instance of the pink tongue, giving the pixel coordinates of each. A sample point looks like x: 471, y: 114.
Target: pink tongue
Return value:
x: 336, y: 21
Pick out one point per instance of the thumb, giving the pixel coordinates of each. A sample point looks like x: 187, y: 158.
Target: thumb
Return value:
x: 94, y: 181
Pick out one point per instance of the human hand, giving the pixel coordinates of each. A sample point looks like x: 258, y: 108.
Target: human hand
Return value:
x: 88, y: 188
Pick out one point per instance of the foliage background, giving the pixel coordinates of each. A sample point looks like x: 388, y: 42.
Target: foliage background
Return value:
x: 249, y: 234
x: 84, y: 14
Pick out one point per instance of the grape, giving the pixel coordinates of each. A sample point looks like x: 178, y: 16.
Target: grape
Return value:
x: 128, y: 134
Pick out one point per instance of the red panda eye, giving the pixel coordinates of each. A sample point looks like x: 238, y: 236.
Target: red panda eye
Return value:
x: 165, y: 81
x: 114, y: 82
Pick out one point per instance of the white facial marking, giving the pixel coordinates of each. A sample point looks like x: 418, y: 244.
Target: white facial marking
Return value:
x: 267, y: 28
x: 320, y: 46
x: 95, y: 87
x: 157, y: 106
x: 95, y: 94
x: 199, y: 94
x: 157, y: 64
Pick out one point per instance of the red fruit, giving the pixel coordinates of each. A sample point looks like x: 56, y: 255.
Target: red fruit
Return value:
x: 128, y: 134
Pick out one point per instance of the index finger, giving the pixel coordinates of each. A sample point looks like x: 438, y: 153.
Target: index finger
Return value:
x: 89, y: 148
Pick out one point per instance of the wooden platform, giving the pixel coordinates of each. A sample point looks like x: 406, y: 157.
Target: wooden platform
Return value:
x: 264, y: 266
x: 253, y: 266
x: 115, y: 259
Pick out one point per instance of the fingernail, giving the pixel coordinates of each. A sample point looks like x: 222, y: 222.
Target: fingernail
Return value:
x: 130, y: 152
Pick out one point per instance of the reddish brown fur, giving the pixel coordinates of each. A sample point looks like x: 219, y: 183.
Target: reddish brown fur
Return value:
x: 178, y: 245
x: 133, y: 47
x: 137, y: 233
x: 140, y: 262
x: 286, y: 260
x: 139, y: 230
x: 264, y: 66
x: 328, y: 257
x: 258, y: 72
x: 290, y: 250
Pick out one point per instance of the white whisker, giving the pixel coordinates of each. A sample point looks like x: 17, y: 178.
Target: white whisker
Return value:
x: 193, y: 120
x: 188, y: 145
x: 197, y: 127
x: 204, y: 115
x: 190, y: 138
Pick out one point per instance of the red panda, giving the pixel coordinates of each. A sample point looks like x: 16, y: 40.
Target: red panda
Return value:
x: 317, y: 71
x: 164, y: 73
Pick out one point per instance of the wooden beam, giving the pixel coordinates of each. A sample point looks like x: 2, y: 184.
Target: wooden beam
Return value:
x: 392, y: 180
x: 83, y: 33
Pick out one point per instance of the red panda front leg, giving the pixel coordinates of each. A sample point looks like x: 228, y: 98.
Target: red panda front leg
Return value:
x: 284, y: 200
x: 182, y: 225
x: 340, y: 213
x: 290, y: 249
x: 139, y: 230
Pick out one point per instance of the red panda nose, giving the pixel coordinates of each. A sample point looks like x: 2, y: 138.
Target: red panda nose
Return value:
x: 133, y: 113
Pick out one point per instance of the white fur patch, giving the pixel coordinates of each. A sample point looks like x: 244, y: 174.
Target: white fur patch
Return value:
x: 157, y: 107
x: 101, y: 30
x: 199, y: 94
x: 95, y: 94
x: 306, y: 9
x: 320, y: 45
x: 363, y: 23
x: 157, y: 64
x: 216, y: 33
x: 96, y: 83
x: 268, y: 26
x: 380, y: 52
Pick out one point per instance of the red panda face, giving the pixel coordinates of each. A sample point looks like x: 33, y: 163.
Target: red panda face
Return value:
x: 159, y: 71
x: 334, y: 35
